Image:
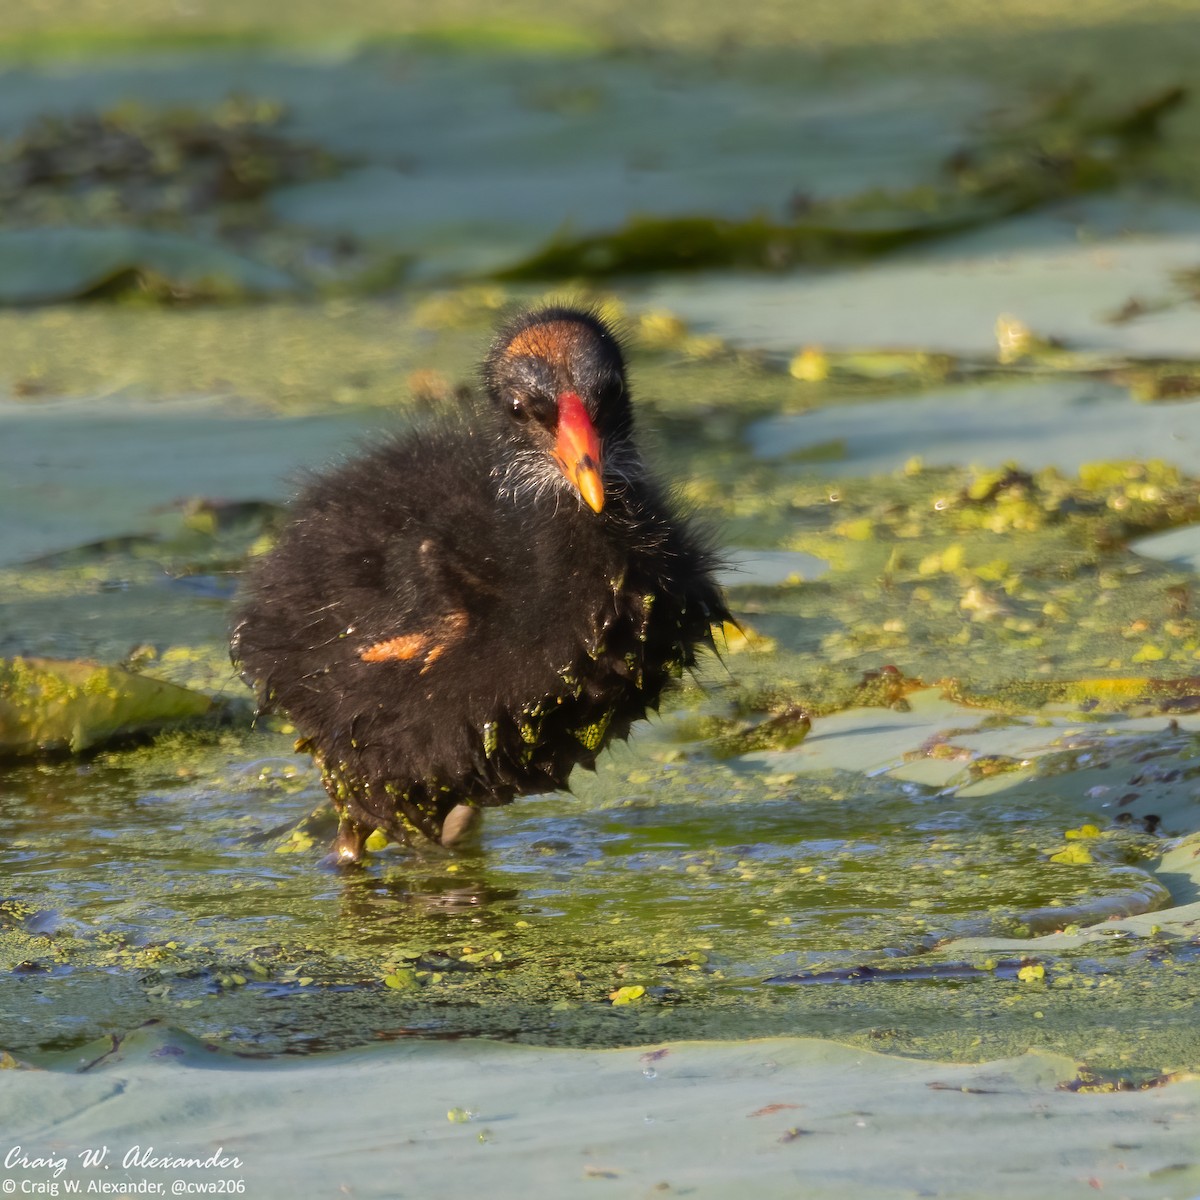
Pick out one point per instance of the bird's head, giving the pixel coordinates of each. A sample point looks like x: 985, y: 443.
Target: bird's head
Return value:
x: 557, y: 379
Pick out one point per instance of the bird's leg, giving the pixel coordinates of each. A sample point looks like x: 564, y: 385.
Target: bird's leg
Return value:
x: 350, y: 842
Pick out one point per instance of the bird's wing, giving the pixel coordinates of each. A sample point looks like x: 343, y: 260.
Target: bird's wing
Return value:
x: 427, y: 644
x: 442, y: 599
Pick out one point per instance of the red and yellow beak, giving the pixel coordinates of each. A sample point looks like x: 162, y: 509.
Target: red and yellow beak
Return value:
x: 578, y: 450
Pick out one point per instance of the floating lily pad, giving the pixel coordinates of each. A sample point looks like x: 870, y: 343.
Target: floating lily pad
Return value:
x: 50, y: 706
x: 1179, y: 546
x: 75, y: 474
x: 1063, y: 422
x: 707, y: 1119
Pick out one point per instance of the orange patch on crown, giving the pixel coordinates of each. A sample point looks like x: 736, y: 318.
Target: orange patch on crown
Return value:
x: 553, y: 342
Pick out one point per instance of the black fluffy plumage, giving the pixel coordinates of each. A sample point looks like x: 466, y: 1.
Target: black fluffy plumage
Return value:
x: 468, y: 612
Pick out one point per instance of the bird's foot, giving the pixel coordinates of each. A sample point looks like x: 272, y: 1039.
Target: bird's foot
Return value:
x: 348, y: 846
x: 461, y: 821
x: 335, y: 862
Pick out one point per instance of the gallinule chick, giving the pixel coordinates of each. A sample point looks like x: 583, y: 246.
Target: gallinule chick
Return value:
x: 467, y: 612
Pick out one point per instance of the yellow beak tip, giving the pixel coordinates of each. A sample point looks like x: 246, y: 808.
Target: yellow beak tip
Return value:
x: 592, y: 490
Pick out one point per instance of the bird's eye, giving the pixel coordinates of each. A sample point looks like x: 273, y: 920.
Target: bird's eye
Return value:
x: 518, y: 407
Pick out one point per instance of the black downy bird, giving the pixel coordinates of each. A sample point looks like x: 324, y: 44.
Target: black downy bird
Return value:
x: 467, y: 612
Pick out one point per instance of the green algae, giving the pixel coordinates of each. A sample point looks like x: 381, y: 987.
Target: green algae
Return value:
x: 350, y: 354
x: 296, y: 358
x: 780, y: 731
x: 84, y: 42
x: 343, y: 354
x: 1002, y: 580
